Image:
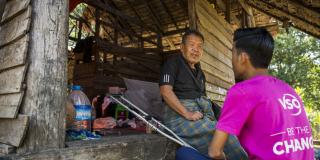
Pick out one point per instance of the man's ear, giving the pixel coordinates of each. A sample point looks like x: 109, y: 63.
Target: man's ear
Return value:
x: 244, y: 58
x: 182, y: 47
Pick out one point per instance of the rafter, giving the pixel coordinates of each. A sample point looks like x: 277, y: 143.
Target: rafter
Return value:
x: 283, y: 16
x: 296, y: 10
x: 222, y: 6
x: 248, y: 9
x: 127, y: 32
x: 169, y: 13
x: 120, y: 21
x: 108, y: 8
x: 154, y: 17
x: 136, y: 13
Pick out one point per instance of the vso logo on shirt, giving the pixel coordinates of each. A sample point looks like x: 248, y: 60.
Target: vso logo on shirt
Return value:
x: 290, y: 102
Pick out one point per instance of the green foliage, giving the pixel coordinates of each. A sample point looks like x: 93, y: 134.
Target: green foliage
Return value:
x: 296, y: 60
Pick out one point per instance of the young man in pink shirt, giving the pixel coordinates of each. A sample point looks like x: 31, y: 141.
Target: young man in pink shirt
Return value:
x: 265, y: 113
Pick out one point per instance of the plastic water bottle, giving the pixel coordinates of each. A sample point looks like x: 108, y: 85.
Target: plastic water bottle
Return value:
x: 83, y: 109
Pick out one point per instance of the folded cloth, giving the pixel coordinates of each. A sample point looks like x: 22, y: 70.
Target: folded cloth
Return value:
x: 104, y: 123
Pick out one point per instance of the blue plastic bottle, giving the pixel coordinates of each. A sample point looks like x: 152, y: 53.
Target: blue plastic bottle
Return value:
x: 83, y: 109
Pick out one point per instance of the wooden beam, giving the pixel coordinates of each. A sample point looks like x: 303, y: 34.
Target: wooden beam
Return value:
x: 11, y: 80
x: 14, y: 54
x: 250, y: 18
x: 228, y: 11
x: 170, y: 33
x: 16, y: 28
x: 97, y: 26
x: 311, y: 3
x: 10, y: 104
x: 296, y: 10
x: 282, y: 16
x: 154, y: 16
x: 222, y: 6
x: 79, y: 18
x: 125, y: 51
x: 120, y: 21
x: 192, y: 14
x: 246, y: 7
x: 171, y: 45
x: 14, y: 130
x: 127, y: 71
x: 184, y: 5
x: 169, y: 13
x: 135, y: 12
x: 128, y: 32
x: 13, y: 9
x: 108, y: 8
x: 141, y: 28
x: 80, y: 30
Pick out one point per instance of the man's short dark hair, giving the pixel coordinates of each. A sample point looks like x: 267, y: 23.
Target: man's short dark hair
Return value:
x: 257, y: 43
x: 191, y: 32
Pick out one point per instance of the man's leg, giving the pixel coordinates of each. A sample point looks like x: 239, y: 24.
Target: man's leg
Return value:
x: 186, y: 153
x: 233, y: 149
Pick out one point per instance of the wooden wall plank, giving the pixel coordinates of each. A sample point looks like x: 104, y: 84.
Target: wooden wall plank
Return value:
x: 13, y: 130
x: 213, y: 40
x: 213, y: 13
x: 216, y: 97
x: 216, y: 89
x: 216, y: 81
x: 214, y: 62
x: 208, y: 22
x: 13, y: 7
x: 192, y: 14
x: 217, y: 73
x: 11, y: 80
x: 9, y: 104
x: 15, y: 28
x: 14, y: 54
x: 210, y: 49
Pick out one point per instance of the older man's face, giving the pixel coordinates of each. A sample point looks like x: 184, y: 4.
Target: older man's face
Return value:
x: 193, y: 49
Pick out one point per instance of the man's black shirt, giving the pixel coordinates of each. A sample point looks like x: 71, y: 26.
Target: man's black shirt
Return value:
x: 186, y: 83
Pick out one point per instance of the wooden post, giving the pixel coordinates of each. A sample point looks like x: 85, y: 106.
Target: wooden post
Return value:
x: 192, y: 14
x: 159, y: 42
x: 80, y: 31
x: 141, y: 39
x: 228, y: 11
x: 46, y: 79
x: 97, y: 27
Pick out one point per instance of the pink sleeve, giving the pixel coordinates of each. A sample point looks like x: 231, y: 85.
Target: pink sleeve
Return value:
x: 235, y: 112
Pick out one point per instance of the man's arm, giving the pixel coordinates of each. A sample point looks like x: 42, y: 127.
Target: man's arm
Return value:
x: 217, y: 144
x: 172, y: 100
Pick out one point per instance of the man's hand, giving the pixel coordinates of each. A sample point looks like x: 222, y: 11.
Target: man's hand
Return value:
x: 215, y: 150
x: 217, y: 155
x: 193, y: 116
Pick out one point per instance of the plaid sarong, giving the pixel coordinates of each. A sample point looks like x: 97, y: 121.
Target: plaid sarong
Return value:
x: 199, y: 133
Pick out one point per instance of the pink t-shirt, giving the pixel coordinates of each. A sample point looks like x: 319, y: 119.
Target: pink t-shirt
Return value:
x: 269, y: 119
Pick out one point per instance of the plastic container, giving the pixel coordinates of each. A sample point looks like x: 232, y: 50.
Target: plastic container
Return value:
x: 84, y: 112
x: 121, y: 113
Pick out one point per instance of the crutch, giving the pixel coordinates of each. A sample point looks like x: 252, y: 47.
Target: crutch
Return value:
x: 145, y: 117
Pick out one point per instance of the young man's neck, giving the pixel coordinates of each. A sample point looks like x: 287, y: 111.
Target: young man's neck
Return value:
x: 256, y: 72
